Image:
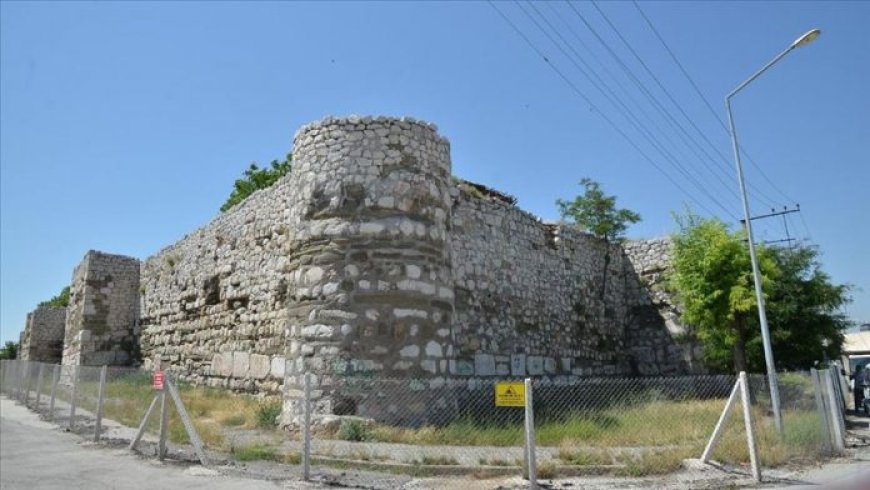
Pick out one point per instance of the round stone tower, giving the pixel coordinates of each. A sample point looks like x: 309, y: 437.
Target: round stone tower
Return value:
x: 371, y: 293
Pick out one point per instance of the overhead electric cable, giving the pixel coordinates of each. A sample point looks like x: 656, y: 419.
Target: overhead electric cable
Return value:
x: 593, y: 108
x: 698, y: 91
x: 725, y: 185
x: 620, y: 106
x: 724, y: 161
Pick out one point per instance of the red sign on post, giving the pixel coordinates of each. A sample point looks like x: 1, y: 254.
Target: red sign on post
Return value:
x: 157, y: 383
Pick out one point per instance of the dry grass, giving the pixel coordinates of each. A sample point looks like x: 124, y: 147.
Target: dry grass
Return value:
x: 261, y: 452
x: 439, y: 460
x: 584, y: 456
x: 654, y: 462
x: 211, y: 410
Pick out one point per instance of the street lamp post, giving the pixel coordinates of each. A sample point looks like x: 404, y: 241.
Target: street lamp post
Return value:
x: 756, y: 274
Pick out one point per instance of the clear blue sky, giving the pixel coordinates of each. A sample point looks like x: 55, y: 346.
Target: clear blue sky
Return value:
x: 123, y: 125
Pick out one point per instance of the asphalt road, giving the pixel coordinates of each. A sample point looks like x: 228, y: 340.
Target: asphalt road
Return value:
x: 35, y: 455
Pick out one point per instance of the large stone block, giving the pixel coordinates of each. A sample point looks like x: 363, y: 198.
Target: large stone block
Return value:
x: 278, y: 367
x: 484, y: 364
x: 241, y: 364
x: 260, y: 366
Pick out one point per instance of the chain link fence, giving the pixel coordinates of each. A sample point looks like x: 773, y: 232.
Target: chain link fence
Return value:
x: 615, y: 426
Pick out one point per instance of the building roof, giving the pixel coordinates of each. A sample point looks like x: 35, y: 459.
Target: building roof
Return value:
x: 857, y: 343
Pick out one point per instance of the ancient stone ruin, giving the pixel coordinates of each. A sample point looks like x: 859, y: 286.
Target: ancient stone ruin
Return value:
x: 42, y: 337
x: 370, y: 260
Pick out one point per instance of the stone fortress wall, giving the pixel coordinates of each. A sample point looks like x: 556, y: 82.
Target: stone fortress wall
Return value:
x: 42, y: 337
x: 102, y: 319
x: 369, y: 260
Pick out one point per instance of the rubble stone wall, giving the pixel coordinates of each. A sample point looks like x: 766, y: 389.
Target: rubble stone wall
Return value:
x: 214, y: 304
x: 540, y: 299
x: 652, y: 261
x: 101, y: 325
x: 42, y: 338
x: 369, y: 261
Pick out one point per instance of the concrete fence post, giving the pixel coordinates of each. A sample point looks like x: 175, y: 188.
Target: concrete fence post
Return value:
x: 72, y: 401
x: 750, y: 427
x: 306, y: 430
x: 164, y: 425
x: 13, y: 378
x: 144, y: 424
x: 720, y: 425
x: 835, y: 415
x: 186, y: 421
x: 530, y: 436
x: 39, y: 384
x: 841, y: 406
x: 25, y: 385
x: 54, y: 381
x: 101, y: 396
x: 19, y: 382
x: 19, y: 378
x: 820, y: 409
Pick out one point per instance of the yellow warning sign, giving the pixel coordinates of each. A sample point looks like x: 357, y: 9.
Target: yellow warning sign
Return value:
x: 510, y: 394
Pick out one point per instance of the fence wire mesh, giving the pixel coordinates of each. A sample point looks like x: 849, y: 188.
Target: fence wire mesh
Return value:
x: 618, y: 426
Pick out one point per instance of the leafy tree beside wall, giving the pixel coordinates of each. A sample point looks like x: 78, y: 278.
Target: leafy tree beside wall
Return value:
x: 255, y: 178
x: 59, y: 301
x: 9, y: 351
x: 713, y: 282
x: 596, y: 212
x: 805, y: 311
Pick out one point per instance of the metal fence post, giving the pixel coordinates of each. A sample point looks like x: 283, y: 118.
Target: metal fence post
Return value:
x: 750, y: 427
x: 530, y: 436
x: 164, y: 425
x: 72, y: 401
x: 101, y: 395
x: 306, y: 430
x: 54, y: 381
x: 820, y: 408
x: 39, y: 385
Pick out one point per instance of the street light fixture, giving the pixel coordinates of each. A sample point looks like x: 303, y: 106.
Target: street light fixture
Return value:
x: 756, y: 274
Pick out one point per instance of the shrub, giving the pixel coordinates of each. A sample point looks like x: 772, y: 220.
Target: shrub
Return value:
x: 267, y: 414
x: 353, y: 430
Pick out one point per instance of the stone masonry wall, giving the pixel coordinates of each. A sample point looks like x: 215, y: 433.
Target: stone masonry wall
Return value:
x: 530, y: 299
x: 42, y: 339
x: 214, y: 304
x: 651, y: 262
x: 371, y: 294
x: 102, y: 318
x: 368, y: 261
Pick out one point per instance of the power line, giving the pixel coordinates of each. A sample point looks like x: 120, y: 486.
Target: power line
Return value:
x: 639, y: 84
x: 706, y: 101
x: 593, y: 108
x: 679, y: 107
x: 619, y: 85
x: 618, y: 104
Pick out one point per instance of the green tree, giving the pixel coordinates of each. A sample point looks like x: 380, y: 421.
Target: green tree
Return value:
x: 61, y: 300
x: 712, y: 280
x: 804, y: 311
x: 255, y: 178
x: 597, y: 213
x: 9, y: 351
